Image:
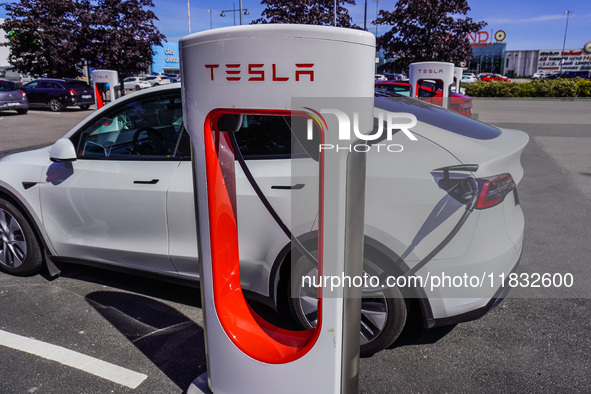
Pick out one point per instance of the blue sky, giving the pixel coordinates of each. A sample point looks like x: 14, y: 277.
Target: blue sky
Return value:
x: 529, y: 24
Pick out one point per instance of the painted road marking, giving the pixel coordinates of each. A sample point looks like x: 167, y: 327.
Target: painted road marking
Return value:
x: 94, y: 366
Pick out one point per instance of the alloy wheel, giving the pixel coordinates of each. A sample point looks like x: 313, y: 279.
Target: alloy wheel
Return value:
x: 13, y: 245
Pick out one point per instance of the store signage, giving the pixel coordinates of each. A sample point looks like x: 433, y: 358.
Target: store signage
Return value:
x: 567, y: 60
x: 482, y: 37
x: 587, y: 48
x: 170, y: 58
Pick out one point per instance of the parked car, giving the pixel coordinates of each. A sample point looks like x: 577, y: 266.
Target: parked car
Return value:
x: 571, y: 75
x: 57, y: 94
x: 117, y: 192
x: 429, y: 92
x: 494, y: 77
x: 537, y: 76
x: 135, y: 83
x: 12, y: 97
x: 468, y: 78
x: 156, y: 80
x: 174, y: 77
x: 380, y: 77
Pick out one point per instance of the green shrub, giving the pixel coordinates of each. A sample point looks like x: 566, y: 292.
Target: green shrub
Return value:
x: 584, y: 87
x: 537, y: 88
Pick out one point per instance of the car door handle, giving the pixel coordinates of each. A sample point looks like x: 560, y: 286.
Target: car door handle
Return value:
x: 297, y: 186
x: 152, y: 182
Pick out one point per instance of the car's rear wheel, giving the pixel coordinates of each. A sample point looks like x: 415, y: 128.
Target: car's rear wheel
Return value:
x: 55, y: 105
x: 383, y: 310
x: 137, y: 87
x: 20, y: 253
x: 84, y: 107
x: 22, y: 111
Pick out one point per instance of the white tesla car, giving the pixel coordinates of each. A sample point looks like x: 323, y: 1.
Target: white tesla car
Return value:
x: 117, y: 192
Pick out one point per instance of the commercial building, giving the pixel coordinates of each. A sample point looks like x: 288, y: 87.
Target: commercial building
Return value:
x: 547, y: 61
x: 166, y: 59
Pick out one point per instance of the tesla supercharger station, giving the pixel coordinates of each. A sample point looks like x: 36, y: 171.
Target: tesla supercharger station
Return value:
x: 458, y: 72
x: 439, y: 72
x: 102, y: 78
x: 231, y: 75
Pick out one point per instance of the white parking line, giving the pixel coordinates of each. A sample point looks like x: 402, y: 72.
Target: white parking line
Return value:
x: 94, y: 366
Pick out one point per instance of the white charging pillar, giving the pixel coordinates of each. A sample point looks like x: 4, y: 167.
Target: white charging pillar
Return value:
x: 252, y: 70
x: 101, y: 78
x: 458, y: 72
x: 439, y: 73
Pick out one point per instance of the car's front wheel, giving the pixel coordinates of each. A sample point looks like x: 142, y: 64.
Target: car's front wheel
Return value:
x: 84, y: 107
x: 55, y: 105
x: 383, y: 310
x: 20, y: 253
x: 137, y: 87
x: 22, y: 111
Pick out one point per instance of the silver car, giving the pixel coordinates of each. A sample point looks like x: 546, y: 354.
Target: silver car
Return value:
x: 12, y: 97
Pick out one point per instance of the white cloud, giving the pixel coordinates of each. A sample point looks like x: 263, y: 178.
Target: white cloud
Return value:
x: 535, y: 19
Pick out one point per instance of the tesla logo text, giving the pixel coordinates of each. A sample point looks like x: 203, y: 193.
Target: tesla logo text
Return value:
x: 431, y: 71
x: 393, y: 121
x: 261, y: 72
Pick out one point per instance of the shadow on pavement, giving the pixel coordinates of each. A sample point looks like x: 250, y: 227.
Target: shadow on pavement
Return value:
x: 173, y: 342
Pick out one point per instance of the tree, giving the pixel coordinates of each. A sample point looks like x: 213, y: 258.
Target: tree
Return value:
x: 42, y: 36
x: 427, y: 30
x: 52, y: 37
x: 124, y: 36
x: 307, y: 12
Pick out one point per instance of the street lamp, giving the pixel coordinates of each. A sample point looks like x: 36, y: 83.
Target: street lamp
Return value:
x: 234, y: 11
x: 189, y: 15
x: 564, y: 42
x: 377, y: 3
x: 210, y: 20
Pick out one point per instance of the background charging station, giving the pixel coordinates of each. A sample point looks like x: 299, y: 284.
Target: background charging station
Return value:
x: 442, y: 74
x: 105, y: 81
x: 231, y: 74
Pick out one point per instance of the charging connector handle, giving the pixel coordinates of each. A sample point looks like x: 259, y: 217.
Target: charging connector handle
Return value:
x: 266, y: 202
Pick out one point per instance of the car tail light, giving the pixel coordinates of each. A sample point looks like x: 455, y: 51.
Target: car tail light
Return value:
x: 24, y: 94
x: 494, y: 190
x: 72, y: 92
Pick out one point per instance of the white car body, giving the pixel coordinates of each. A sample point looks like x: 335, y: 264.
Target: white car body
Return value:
x: 157, y: 80
x: 135, y: 83
x: 137, y: 213
x: 468, y: 78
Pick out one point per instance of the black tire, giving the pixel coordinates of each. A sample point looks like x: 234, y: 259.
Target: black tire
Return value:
x: 22, y: 111
x: 84, y: 107
x: 55, y: 105
x: 383, y: 311
x: 137, y: 87
x: 20, y: 253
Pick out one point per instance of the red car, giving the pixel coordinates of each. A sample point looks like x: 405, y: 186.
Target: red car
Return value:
x: 429, y: 92
x: 494, y: 77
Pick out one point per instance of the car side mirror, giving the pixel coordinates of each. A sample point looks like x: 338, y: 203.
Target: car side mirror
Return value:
x: 62, y: 150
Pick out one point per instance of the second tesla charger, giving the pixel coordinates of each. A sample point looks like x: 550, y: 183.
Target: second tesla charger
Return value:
x: 238, y: 90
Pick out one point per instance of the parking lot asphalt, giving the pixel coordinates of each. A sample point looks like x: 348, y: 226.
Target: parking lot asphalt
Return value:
x: 536, y: 341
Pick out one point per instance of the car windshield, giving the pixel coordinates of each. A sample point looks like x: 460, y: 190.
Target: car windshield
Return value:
x: 7, y: 86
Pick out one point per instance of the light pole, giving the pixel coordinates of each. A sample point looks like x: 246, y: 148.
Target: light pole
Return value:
x: 365, y: 17
x: 335, y: 12
x: 234, y: 11
x: 210, y: 20
x: 189, y: 15
x: 377, y: 3
x: 564, y: 42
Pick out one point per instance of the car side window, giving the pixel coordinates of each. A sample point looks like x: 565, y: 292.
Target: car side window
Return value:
x: 144, y: 129
x: 32, y: 85
x: 266, y: 137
